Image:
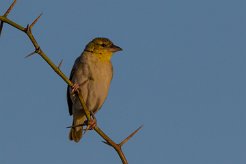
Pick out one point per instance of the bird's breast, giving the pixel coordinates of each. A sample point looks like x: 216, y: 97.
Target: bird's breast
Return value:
x: 98, y: 86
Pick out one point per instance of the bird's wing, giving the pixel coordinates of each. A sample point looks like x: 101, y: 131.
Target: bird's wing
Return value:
x: 80, y: 74
x: 69, y: 101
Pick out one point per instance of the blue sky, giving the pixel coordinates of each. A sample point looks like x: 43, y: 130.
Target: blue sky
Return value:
x: 182, y: 75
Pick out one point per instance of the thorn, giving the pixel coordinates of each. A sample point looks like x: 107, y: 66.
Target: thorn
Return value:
x: 9, y: 9
x: 74, y: 126
x: 105, y: 142
x: 1, y: 27
x: 35, y: 21
x: 34, y: 52
x: 27, y: 28
x: 59, y: 65
x: 130, y: 136
x: 75, y: 88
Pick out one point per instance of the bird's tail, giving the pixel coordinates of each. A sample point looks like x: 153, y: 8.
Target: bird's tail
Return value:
x: 76, y: 130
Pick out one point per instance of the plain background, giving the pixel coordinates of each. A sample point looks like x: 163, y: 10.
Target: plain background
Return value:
x: 182, y: 74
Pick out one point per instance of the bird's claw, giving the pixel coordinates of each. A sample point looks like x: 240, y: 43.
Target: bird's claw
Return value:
x: 75, y: 88
x: 92, y: 123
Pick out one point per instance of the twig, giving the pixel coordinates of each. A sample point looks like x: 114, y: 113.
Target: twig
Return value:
x: 39, y: 51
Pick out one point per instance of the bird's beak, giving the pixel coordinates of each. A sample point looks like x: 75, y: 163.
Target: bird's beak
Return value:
x: 114, y: 48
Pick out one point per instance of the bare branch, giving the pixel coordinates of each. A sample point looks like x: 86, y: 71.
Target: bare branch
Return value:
x: 10, y: 8
x: 39, y: 51
x: 130, y: 136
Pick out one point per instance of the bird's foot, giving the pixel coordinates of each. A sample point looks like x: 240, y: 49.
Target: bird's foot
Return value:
x: 75, y: 88
x: 92, y: 123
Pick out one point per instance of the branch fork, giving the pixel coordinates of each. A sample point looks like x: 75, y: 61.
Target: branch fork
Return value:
x: 28, y: 31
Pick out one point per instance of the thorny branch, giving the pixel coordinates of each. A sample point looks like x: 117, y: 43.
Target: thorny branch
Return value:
x: 28, y: 31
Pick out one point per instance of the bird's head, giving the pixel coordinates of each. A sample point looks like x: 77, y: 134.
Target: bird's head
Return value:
x: 102, y: 47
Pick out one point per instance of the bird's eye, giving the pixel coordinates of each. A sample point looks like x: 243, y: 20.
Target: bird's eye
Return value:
x: 103, y: 45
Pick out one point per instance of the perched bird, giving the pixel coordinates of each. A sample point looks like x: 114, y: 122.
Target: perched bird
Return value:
x: 92, y: 73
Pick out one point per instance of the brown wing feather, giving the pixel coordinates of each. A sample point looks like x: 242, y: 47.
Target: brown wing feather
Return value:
x: 78, y: 65
x: 69, y: 101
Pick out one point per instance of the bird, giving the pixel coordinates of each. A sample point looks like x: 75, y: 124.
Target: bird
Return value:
x: 92, y: 73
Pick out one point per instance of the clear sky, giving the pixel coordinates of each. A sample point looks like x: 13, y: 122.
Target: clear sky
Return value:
x: 182, y: 74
